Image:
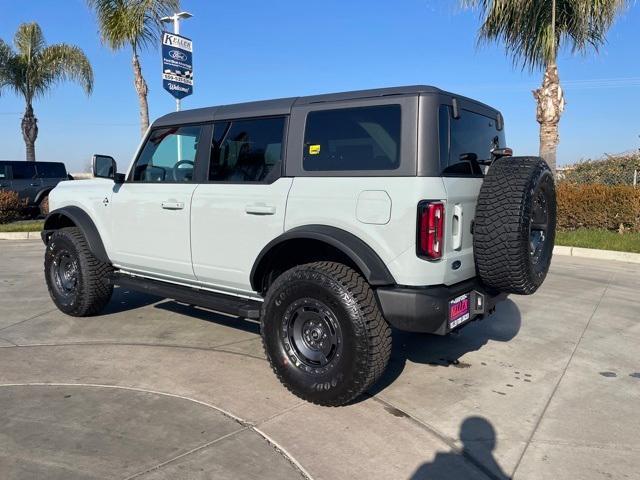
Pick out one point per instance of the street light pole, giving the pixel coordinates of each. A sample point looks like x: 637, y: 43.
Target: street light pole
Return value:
x: 175, y: 19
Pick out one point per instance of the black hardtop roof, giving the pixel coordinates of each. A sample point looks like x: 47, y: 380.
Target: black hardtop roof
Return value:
x: 9, y: 162
x: 283, y: 106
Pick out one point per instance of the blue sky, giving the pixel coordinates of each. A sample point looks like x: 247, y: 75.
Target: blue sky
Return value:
x: 250, y: 49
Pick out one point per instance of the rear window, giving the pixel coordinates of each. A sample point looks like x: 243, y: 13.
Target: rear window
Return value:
x: 364, y: 138
x: 51, y: 170
x: 461, y: 140
x: 23, y: 171
x: 246, y: 150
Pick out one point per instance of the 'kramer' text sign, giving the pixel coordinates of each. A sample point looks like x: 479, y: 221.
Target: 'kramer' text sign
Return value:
x: 177, y: 65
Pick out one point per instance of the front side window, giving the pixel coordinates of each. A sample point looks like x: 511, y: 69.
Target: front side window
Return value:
x: 24, y: 171
x: 246, y: 150
x: 51, y: 170
x: 363, y: 138
x: 169, y: 155
x: 4, y: 172
x: 467, y: 140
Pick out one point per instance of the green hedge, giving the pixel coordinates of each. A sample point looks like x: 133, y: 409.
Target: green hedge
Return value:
x: 613, y: 170
x: 610, y: 207
x: 10, y: 206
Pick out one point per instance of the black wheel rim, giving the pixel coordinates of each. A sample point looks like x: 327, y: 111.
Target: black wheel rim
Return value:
x: 64, y: 272
x: 539, y: 228
x: 312, y: 336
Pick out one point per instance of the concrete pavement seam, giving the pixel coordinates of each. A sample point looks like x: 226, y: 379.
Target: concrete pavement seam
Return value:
x: 246, y: 425
x: 230, y: 415
x: 282, y: 451
x: 133, y: 344
x: 182, y: 455
x: 27, y: 319
x: 591, y: 446
x: 443, y: 438
x: 276, y: 415
x: 564, y: 371
x: 8, y: 341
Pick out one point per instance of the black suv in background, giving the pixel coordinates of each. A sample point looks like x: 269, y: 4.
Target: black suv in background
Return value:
x: 32, y: 180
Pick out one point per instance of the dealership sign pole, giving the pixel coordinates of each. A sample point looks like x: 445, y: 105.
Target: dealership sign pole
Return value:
x: 177, y: 62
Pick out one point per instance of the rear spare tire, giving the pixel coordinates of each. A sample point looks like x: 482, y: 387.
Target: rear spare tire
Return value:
x: 515, y: 225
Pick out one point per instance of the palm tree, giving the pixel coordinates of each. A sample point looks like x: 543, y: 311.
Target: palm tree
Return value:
x: 33, y: 68
x: 533, y: 31
x: 135, y: 23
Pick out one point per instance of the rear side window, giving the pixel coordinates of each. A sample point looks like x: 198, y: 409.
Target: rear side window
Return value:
x: 24, y: 171
x: 51, y: 170
x: 466, y: 140
x: 246, y: 150
x: 364, y: 138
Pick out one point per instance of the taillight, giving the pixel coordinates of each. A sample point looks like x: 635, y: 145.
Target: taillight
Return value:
x: 430, y: 228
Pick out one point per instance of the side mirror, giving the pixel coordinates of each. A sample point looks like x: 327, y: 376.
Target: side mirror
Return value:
x: 104, y: 166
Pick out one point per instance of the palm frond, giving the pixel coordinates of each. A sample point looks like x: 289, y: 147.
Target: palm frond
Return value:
x: 5, y: 55
x: 526, y: 27
x: 62, y: 62
x: 32, y: 68
x: 133, y: 22
x: 29, y: 40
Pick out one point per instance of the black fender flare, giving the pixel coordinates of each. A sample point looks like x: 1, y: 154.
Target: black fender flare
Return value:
x: 41, y: 194
x: 370, y: 264
x: 59, y: 218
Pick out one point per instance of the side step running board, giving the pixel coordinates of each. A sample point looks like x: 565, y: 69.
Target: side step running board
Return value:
x: 229, y: 304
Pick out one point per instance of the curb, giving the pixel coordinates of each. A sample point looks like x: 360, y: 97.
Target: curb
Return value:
x: 597, y: 254
x: 20, y: 235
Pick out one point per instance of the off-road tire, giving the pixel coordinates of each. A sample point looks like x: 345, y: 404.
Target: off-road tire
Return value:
x: 91, y: 290
x: 503, y: 224
x: 366, y: 336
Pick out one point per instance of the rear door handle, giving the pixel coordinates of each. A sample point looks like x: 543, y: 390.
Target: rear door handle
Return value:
x: 457, y: 227
x: 173, y: 205
x: 34, y: 184
x: 260, y: 209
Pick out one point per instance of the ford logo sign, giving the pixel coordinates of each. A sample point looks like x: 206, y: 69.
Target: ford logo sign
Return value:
x: 177, y: 55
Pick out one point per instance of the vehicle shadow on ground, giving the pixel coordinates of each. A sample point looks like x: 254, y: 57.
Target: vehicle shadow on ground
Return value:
x: 439, y: 351
x: 124, y: 300
x: 210, y: 316
x: 478, y: 439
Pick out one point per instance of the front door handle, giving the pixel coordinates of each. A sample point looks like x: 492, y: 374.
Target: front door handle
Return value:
x: 173, y: 205
x: 260, y: 209
x: 34, y: 184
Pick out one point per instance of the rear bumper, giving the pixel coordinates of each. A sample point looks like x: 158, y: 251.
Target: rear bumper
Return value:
x: 426, y: 309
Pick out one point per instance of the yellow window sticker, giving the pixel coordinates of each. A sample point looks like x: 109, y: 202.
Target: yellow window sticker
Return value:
x: 314, y: 149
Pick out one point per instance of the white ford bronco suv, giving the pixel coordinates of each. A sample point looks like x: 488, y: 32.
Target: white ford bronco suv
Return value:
x: 329, y: 218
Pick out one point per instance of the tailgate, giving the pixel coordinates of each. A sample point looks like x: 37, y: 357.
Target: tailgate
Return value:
x: 462, y: 196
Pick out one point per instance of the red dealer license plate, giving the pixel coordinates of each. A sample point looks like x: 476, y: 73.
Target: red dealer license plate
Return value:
x: 458, y: 310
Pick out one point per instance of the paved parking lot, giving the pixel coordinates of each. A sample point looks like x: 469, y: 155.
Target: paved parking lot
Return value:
x: 547, y: 388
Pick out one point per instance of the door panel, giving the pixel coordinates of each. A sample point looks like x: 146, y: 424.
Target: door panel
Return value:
x: 242, y: 206
x: 151, y: 211
x: 231, y: 224
x: 146, y: 235
x: 24, y: 180
x: 5, y: 180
